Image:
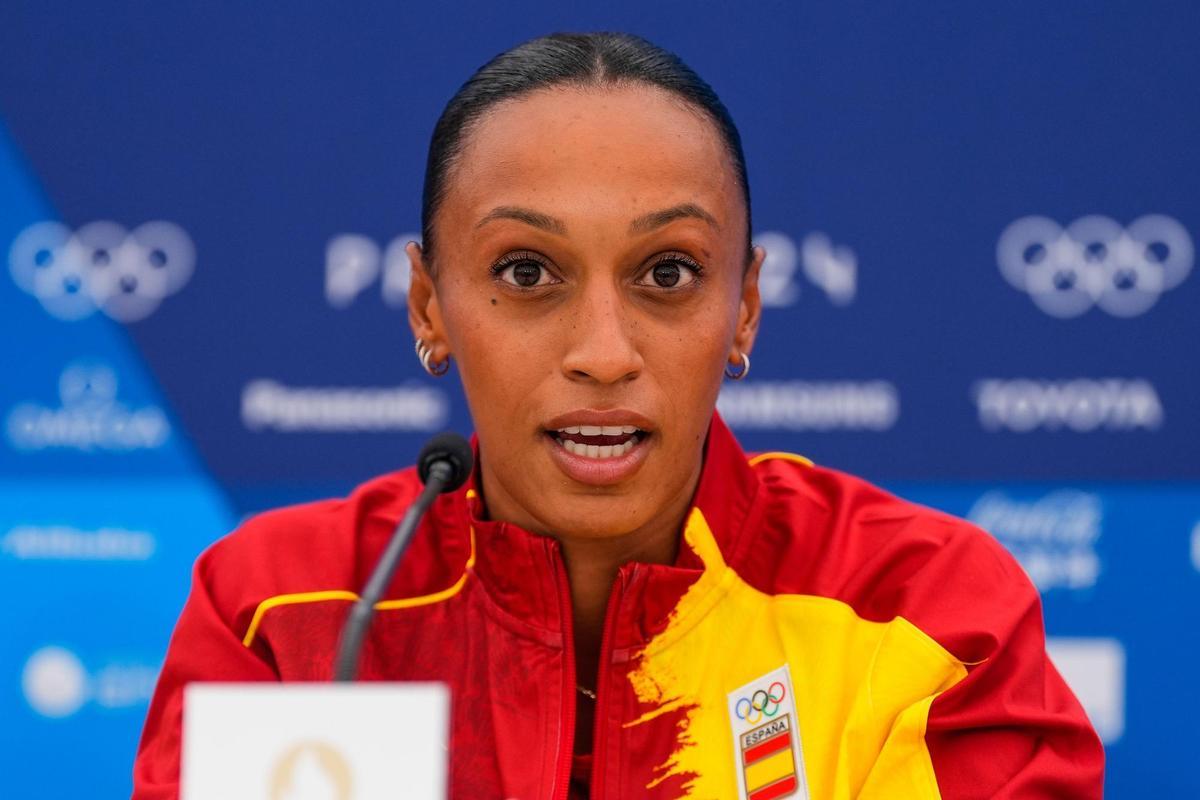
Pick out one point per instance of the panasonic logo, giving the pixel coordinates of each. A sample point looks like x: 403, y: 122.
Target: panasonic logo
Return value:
x: 1081, y: 405
x: 267, y: 405
x: 812, y: 406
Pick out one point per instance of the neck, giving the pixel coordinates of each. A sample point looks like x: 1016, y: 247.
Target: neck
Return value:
x: 592, y: 566
x: 592, y: 560
x: 592, y: 563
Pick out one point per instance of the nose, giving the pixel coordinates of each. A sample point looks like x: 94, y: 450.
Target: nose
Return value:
x: 601, y: 345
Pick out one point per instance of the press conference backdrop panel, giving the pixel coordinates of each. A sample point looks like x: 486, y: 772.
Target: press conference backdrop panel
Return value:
x: 980, y: 293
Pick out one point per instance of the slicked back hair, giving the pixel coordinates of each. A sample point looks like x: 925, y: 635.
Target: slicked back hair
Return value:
x: 567, y: 59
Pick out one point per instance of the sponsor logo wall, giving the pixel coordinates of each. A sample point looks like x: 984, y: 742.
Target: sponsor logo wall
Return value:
x: 203, y: 302
x: 103, y: 503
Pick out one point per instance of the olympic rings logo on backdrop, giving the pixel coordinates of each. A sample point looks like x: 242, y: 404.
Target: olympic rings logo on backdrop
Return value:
x: 762, y: 704
x: 125, y: 274
x: 1095, y: 262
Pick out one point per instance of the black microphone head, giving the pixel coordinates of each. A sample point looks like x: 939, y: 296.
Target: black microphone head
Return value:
x: 452, y: 449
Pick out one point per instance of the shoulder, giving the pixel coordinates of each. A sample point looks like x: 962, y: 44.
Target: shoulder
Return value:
x: 316, y: 546
x: 832, y: 506
x: 836, y: 535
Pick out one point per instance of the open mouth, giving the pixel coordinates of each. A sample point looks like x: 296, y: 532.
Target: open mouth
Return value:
x: 598, y: 441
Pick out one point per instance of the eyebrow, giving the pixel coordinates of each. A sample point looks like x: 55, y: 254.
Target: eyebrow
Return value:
x: 657, y: 219
x: 526, y: 215
x: 644, y: 223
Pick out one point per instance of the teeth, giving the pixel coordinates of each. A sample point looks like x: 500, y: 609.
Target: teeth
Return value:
x: 600, y: 430
x: 598, y: 451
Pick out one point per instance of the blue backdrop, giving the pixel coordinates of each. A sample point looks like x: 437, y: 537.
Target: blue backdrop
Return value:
x: 981, y: 223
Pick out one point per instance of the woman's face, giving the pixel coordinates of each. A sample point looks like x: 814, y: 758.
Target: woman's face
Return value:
x: 591, y: 282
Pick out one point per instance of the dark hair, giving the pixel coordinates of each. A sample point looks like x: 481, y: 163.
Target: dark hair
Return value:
x: 582, y: 59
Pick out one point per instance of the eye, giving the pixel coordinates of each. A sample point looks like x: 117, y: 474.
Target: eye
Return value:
x: 525, y: 270
x: 670, y: 271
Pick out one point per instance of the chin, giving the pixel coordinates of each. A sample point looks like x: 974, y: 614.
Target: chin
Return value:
x: 593, y: 526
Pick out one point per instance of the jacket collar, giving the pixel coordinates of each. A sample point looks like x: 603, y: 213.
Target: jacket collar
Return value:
x: 727, y: 493
x: 523, y: 573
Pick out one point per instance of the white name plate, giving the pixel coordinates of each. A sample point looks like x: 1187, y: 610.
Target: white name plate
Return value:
x: 315, y: 741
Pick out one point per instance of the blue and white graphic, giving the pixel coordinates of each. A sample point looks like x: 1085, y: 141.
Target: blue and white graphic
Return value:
x: 56, y: 683
x: 980, y: 226
x: 1078, y: 405
x: 88, y: 416
x: 1094, y: 262
x: 1095, y: 670
x: 354, y: 263
x: 1054, y: 537
x: 125, y: 274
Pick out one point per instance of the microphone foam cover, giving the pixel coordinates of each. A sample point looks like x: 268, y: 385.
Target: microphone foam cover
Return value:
x: 454, y: 450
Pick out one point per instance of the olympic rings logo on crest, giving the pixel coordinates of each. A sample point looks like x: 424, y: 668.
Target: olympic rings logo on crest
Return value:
x: 763, y: 704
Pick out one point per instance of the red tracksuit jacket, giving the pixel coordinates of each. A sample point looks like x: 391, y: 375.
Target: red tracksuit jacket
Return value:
x: 816, y: 637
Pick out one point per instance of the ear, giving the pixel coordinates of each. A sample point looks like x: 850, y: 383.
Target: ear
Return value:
x: 749, y: 309
x: 424, y: 313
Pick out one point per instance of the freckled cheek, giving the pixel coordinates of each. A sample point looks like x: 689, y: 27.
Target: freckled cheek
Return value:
x: 502, y: 364
x: 685, y: 362
x: 688, y: 361
x: 493, y: 361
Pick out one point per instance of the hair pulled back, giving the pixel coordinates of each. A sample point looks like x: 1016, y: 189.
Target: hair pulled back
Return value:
x: 578, y: 59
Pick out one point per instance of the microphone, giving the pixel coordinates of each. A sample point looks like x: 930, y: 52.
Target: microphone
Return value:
x: 443, y: 465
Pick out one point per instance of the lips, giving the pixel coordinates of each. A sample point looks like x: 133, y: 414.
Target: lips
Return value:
x: 599, y: 447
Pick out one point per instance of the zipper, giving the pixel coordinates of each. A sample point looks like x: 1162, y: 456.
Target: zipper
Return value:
x: 562, y: 784
x: 599, y: 726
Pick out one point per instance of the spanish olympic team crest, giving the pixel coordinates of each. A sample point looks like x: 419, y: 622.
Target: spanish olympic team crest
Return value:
x: 767, y: 749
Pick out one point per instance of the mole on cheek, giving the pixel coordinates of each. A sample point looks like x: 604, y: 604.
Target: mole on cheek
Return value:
x: 493, y: 301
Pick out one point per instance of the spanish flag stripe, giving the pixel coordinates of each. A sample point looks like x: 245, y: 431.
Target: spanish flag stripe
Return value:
x: 769, y: 770
x: 766, y: 748
x: 778, y: 789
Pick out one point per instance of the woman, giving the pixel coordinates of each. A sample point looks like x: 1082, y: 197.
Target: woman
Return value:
x: 622, y: 602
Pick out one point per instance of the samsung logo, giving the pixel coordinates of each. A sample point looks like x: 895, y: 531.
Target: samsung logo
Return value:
x: 811, y: 406
x: 1081, y: 405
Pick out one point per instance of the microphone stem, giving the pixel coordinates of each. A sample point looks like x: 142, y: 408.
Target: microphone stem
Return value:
x: 354, y: 632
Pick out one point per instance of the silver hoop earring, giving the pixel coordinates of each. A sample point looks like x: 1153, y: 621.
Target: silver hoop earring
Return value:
x: 738, y: 375
x: 434, y: 368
